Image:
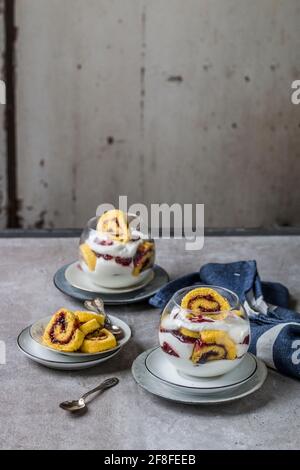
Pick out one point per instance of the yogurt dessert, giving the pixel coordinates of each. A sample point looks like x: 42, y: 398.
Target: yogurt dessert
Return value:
x: 114, y: 255
x: 204, y: 331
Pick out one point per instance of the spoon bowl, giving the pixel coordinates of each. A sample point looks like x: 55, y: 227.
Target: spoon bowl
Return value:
x: 73, y: 405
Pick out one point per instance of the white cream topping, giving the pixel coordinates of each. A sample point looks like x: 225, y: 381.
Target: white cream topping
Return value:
x: 235, y: 326
x: 124, y: 250
x: 110, y: 267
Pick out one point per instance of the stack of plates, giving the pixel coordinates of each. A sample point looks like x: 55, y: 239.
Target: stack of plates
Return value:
x: 30, y: 344
x: 71, y: 280
x: 153, y: 372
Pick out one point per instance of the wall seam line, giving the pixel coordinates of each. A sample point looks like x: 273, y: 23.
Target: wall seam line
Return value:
x: 10, y: 115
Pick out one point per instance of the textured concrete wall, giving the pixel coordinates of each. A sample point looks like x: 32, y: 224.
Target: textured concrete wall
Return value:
x: 2, y: 127
x: 161, y: 100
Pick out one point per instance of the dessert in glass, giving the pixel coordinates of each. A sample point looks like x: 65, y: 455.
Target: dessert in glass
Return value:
x: 204, y: 331
x: 114, y: 255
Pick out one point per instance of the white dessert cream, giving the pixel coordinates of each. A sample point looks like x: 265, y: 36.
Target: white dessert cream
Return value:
x: 204, y: 343
x: 116, y: 261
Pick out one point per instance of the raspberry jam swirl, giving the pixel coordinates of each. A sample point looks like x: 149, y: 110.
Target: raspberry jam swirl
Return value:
x: 213, y: 305
x: 63, y: 328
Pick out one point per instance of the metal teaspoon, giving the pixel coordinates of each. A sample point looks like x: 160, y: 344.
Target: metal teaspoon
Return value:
x: 76, y: 405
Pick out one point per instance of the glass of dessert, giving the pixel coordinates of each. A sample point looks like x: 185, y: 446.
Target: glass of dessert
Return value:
x: 113, y: 254
x: 204, y: 331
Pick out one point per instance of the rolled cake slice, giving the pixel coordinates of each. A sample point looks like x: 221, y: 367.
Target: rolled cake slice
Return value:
x: 62, y: 332
x: 213, y: 345
x: 144, y: 257
x: 99, y: 340
x: 189, y: 333
x: 114, y: 223
x: 88, y: 256
x: 207, y: 302
x: 89, y: 326
x: 84, y: 317
x: 238, y: 313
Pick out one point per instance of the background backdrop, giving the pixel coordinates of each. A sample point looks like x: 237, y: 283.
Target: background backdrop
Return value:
x: 161, y: 100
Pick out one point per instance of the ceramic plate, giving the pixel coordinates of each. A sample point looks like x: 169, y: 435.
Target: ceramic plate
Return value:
x: 77, y: 278
x: 37, y: 329
x: 50, y: 359
x: 158, y: 365
x: 155, y: 386
x: 160, y: 278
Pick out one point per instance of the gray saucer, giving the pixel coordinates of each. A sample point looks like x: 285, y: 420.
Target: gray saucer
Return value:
x: 160, y: 278
x: 183, y: 395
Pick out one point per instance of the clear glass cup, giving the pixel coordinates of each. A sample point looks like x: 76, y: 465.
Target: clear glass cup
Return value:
x: 114, y: 264
x: 204, y: 344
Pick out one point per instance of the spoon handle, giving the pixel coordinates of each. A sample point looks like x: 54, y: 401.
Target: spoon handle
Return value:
x: 96, y: 305
x: 106, y: 384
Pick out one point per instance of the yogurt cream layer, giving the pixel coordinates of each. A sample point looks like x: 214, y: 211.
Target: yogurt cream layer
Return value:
x: 184, y: 350
x: 236, y: 326
x: 102, y: 245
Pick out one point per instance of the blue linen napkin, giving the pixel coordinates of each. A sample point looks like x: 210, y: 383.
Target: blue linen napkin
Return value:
x: 275, y: 329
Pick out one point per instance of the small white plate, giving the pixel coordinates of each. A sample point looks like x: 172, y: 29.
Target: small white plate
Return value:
x: 37, y: 330
x: 50, y: 359
x: 78, y: 278
x: 160, y: 278
x: 160, y: 367
x: 180, y: 395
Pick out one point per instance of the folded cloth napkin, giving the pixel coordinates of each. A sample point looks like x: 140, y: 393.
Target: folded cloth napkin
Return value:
x: 275, y: 329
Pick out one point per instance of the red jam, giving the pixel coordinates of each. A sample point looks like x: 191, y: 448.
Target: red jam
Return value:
x: 169, y: 350
x: 106, y: 257
x: 123, y: 261
x: 62, y: 323
x: 179, y: 336
x: 106, y: 242
x: 246, y: 340
x: 208, y: 297
x: 200, y: 319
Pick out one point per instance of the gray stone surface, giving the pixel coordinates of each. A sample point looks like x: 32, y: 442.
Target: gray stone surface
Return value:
x: 126, y: 417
